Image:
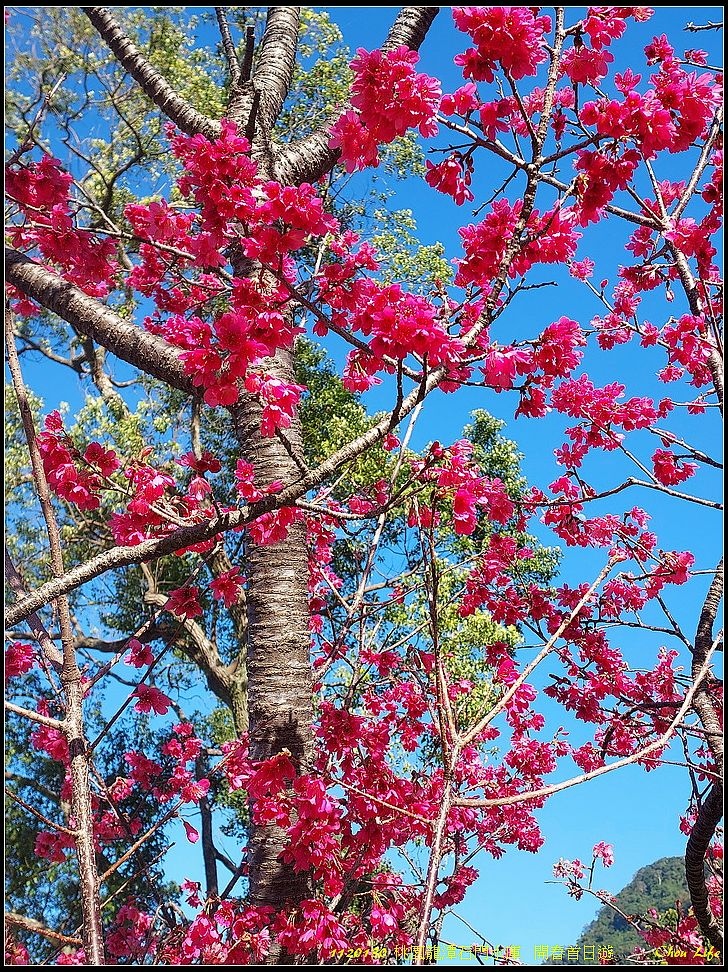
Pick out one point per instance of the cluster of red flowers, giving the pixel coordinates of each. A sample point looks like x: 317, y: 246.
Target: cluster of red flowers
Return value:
x: 78, y: 478
x: 671, y: 115
x: 456, y: 476
x: 391, y: 98
x: 19, y: 659
x: 513, y: 38
x: 453, y: 177
x: 603, y: 414
x: 269, y: 222
x: 41, y: 191
x: 548, y: 238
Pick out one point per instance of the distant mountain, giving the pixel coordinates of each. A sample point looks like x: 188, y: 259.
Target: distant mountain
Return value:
x: 657, y: 885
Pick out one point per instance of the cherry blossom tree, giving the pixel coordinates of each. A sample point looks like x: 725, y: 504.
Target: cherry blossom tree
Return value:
x: 397, y: 625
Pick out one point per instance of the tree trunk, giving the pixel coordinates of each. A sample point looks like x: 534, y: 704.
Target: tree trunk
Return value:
x: 280, y: 704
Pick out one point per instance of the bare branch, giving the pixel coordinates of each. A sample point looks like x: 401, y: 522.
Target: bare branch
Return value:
x: 710, y: 810
x: 27, y: 143
x: 198, y: 647
x: 694, y: 28
x: 247, y: 66
x: 34, y: 716
x: 75, y: 363
x: 51, y: 654
x: 123, y: 557
x: 228, y: 46
x: 31, y: 925
x: 36, y: 785
x: 209, y: 852
x: 40, y: 816
x: 704, y: 702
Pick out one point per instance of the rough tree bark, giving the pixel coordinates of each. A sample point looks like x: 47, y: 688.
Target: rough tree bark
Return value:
x: 145, y: 351
x: 280, y: 703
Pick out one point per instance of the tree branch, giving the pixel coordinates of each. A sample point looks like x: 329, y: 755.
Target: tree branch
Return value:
x: 711, y: 809
x: 694, y: 28
x: 228, y: 47
x: 34, y: 716
x: 639, y: 754
x: 36, y: 785
x: 703, y: 831
x: 307, y: 159
x: 31, y: 925
x: 123, y: 557
x: 247, y: 65
x: 148, y: 352
x: 276, y: 61
x: 198, y: 647
x: 75, y: 363
x: 186, y: 536
x: 703, y: 702
x: 209, y: 851
x: 51, y: 654
x: 186, y: 118
x: 73, y: 725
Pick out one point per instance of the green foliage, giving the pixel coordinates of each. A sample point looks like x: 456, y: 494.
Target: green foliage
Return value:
x: 403, y: 259
x: 332, y: 416
x: 404, y: 156
x: 462, y: 642
x: 499, y: 458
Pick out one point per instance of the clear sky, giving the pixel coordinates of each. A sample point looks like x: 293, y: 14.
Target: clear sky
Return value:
x: 512, y: 903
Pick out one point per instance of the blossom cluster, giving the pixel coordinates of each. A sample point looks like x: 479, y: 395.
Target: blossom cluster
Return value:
x: 391, y: 98
x: 77, y: 477
x: 41, y: 191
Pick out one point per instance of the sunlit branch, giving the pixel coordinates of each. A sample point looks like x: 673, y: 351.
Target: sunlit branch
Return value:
x: 639, y: 754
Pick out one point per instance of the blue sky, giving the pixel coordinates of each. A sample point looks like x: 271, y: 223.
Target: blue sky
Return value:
x: 512, y: 903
